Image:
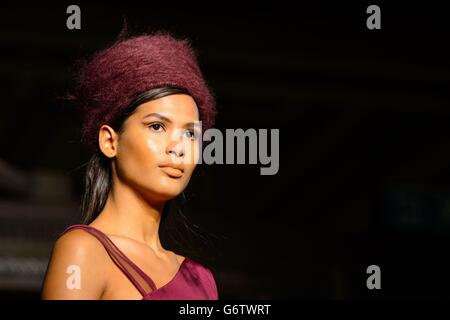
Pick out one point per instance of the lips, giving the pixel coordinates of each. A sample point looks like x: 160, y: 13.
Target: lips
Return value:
x: 171, y: 171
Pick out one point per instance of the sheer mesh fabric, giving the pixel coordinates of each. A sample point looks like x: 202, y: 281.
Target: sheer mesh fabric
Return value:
x: 143, y: 283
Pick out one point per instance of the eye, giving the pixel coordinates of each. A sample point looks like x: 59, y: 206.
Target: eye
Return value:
x: 190, y: 134
x: 156, y: 126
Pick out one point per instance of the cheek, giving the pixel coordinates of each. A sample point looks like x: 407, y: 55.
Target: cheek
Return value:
x: 140, y: 156
x: 154, y: 148
x: 192, y: 154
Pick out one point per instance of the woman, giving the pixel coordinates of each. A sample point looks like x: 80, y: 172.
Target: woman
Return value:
x: 144, y: 104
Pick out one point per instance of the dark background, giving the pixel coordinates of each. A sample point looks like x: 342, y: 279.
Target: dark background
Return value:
x: 364, y: 143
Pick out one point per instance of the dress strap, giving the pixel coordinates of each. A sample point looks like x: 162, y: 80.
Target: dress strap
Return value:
x: 143, y: 283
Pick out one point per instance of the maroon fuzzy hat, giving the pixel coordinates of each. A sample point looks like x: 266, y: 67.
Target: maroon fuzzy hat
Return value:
x: 112, y: 78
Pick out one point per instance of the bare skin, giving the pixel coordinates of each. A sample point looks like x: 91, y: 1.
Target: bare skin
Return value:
x: 141, y: 185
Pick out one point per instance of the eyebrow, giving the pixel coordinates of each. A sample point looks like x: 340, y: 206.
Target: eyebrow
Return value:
x: 164, y: 118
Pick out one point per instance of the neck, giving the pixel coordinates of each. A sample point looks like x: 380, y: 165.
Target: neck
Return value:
x: 128, y: 214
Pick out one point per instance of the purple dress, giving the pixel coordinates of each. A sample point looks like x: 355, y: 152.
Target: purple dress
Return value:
x: 191, y: 282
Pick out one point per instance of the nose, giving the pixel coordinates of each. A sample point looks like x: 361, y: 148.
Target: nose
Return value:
x: 176, y: 149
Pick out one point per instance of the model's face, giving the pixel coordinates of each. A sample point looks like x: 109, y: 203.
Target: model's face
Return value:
x: 159, y: 135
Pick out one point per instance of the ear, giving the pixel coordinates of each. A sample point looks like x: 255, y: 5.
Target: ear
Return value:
x: 108, y: 140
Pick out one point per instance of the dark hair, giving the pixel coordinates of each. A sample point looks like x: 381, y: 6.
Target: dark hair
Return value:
x: 98, y: 175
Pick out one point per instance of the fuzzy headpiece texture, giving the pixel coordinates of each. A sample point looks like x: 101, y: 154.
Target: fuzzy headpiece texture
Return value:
x: 112, y: 78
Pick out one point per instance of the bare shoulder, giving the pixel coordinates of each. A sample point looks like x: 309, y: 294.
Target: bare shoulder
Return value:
x: 76, y: 267
x: 79, y: 242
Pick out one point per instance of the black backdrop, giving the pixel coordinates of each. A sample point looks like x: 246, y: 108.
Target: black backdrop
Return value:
x: 363, y: 115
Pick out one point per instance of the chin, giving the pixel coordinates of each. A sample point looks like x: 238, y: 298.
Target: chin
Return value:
x: 166, y: 193
x: 164, y: 188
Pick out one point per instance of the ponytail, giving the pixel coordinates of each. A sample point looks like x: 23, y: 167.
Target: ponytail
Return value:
x: 97, y: 186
